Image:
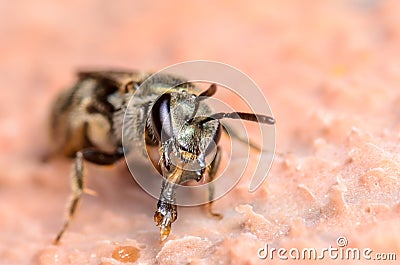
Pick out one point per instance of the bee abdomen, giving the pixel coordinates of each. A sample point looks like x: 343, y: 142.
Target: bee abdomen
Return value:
x: 82, y: 118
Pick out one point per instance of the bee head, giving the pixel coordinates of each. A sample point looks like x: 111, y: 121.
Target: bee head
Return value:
x: 187, y: 128
x: 181, y: 132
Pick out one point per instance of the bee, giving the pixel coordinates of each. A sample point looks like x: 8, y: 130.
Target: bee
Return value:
x: 168, y: 119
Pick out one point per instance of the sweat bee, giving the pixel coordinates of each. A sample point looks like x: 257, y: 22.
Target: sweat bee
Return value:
x: 168, y: 116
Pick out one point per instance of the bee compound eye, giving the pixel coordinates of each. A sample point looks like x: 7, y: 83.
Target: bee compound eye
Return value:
x: 161, y: 117
x: 210, y: 150
x: 213, y: 142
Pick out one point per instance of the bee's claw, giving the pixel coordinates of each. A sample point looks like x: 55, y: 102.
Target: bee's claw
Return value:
x: 164, y: 217
x: 164, y: 222
x: 164, y: 233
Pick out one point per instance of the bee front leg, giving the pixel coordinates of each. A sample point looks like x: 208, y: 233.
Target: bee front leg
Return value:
x: 212, y: 170
x: 77, y: 185
x: 166, y: 212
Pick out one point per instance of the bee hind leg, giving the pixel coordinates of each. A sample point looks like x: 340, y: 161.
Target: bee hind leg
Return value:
x: 101, y: 158
x: 212, y: 170
x: 77, y: 180
x: 77, y: 189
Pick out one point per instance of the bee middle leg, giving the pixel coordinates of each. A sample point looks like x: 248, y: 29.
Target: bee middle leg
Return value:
x: 212, y: 170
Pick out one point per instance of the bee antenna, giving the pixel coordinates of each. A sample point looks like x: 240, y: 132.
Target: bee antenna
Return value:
x: 240, y: 115
x: 208, y: 93
x: 205, y: 94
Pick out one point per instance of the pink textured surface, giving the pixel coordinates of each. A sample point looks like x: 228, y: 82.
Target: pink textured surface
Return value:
x: 331, y: 73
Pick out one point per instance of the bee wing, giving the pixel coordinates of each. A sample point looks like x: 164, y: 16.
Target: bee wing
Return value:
x: 124, y: 80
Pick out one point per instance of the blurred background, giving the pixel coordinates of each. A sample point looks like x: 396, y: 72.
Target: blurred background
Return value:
x: 290, y: 48
x: 326, y: 67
